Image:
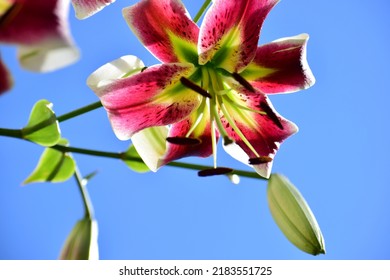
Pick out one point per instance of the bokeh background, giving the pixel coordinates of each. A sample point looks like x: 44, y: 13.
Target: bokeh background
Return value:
x: 339, y: 160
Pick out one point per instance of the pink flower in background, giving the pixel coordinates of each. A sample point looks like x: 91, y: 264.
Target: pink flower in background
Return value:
x: 5, y: 78
x: 40, y: 30
x: 86, y: 8
x: 213, y: 83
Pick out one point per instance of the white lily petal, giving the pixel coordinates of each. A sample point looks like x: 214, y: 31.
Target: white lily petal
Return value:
x: 122, y: 67
x: 150, y: 144
x: 48, y: 55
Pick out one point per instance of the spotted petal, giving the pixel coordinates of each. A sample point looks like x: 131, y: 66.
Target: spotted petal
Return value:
x: 40, y: 28
x: 230, y: 32
x: 87, y: 8
x: 200, y: 120
x: 261, y: 126
x: 165, y: 28
x: 5, y: 78
x: 281, y: 66
x: 154, y: 97
x: 155, y: 151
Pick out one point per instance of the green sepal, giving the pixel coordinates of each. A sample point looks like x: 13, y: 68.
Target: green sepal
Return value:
x: 53, y: 166
x: 293, y: 215
x: 136, y: 163
x: 42, y: 127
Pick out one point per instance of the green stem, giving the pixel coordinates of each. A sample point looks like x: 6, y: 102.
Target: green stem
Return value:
x: 19, y: 133
x: 82, y: 184
x: 123, y: 156
x: 202, y: 10
x: 31, y: 129
x: 16, y: 133
x: 79, y: 111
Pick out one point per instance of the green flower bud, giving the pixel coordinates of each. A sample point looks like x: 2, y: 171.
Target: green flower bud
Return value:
x: 293, y: 215
x: 81, y: 243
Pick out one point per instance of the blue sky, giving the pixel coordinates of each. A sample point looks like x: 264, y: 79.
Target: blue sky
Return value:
x: 338, y: 160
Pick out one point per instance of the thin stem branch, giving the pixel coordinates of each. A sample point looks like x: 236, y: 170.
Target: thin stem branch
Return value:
x: 15, y: 133
x: 80, y: 111
x: 202, y: 10
x: 123, y: 156
x: 82, y: 184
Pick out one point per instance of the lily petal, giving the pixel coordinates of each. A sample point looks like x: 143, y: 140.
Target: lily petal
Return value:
x: 150, y: 144
x: 124, y: 66
x: 165, y: 28
x: 87, y: 8
x: 153, y: 147
x: 202, y: 132
x: 6, y: 81
x: 265, y: 132
x: 281, y: 66
x: 230, y: 32
x: 154, y: 97
x: 40, y: 28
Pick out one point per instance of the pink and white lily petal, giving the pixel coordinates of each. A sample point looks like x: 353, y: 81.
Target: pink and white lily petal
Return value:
x: 230, y: 32
x: 281, y: 66
x: 87, y: 8
x: 40, y: 28
x: 264, y: 132
x: 6, y: 81
x: 154, y: 97
x: 165, y: 28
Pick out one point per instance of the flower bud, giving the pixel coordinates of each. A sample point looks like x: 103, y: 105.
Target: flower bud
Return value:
x: 81, y: 243
x: 293, y: 215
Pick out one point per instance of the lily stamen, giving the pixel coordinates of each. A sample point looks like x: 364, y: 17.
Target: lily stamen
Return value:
x: 184, y: 140
x: 259, y: 160
x: 243, y: 82
x: 214, y: 171
x: 191, y: 85
x: 264, y: 106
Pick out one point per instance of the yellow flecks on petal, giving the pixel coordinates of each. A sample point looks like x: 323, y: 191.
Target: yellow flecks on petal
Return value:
x: 184, y: 50
x: 254, y: 72
x: 5, y: 5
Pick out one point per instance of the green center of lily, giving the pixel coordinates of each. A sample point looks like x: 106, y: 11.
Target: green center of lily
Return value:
x: 221, y: 102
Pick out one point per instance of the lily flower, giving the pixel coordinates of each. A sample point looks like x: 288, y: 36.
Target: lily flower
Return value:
x: 5, y: 78
x: 40, y: 30
x: 213, y: 83
x: 87, y: 8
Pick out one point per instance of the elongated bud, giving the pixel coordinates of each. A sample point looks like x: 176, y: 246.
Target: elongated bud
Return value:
x: 293, y: 215
x: 81, y: 243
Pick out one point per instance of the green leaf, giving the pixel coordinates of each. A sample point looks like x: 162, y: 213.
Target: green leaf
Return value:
x: 42, y: 127
x: 90, y: 175
x: 81, y: 243
x: 137, y: 164
x: 53, y: 166
x: 293, y: 215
